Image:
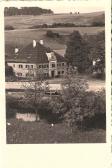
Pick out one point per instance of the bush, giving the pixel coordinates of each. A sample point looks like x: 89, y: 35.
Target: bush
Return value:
x: 93, y: 110
x: 98, y: 23
x: 8, y: 27
x: 51, y: 34
x: 11, y: 107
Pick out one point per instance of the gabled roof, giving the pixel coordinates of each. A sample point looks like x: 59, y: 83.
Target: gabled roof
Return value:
x: 32, y: 54
x: 35, y: 54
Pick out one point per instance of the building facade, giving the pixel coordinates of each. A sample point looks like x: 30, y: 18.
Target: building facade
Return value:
x: 36, y: 59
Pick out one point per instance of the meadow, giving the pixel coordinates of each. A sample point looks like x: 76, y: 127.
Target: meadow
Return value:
x: 20, y: 132
x: 22, y: 37
x: 23, y: 22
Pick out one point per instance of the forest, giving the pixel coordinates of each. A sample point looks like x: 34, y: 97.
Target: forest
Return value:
x: 13, y: 11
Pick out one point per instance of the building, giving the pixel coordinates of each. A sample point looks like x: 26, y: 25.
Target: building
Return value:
x: 35, y: 58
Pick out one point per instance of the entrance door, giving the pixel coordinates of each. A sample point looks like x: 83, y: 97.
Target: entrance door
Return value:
x: 52, y: 74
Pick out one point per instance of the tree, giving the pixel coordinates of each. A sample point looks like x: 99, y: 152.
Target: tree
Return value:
x: 80, y: 106
x: 9, y: 72
x: 35, y: 90
x: 73, y: 90
x: 10, y: 11
x: 76, y: 52
x: 97, y: 51
x: 50, y: 33
x: 8, y: 27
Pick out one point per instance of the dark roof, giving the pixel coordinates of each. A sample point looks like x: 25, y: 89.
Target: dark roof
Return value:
x: 59, y: 57
x: 35, y: 54
x: 9, y: 50
x: 32, y: 54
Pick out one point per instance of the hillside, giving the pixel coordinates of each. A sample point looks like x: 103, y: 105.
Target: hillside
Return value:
x: 25, y: 36
x: 22, y: 35
x: 26, y: 21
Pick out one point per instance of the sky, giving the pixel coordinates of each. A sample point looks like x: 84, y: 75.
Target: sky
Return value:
x: 66, y: 6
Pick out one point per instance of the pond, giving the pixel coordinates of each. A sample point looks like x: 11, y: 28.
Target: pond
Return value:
x: 26, y: 117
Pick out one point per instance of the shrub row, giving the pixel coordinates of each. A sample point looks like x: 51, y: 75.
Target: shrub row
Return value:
x: 57, y: 25
x: 8, y: 27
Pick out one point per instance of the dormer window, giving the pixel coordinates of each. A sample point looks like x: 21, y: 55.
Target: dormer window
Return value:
x: 53, y: 65
x: 52, y: 55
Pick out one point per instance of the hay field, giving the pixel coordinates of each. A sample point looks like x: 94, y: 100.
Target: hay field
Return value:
x: 22, y: 37
x: 23, y: 22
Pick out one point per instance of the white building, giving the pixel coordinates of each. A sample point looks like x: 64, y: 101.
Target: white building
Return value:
x: 34, y: 58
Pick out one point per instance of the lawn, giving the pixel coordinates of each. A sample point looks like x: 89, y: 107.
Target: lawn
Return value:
x: 20, y: 132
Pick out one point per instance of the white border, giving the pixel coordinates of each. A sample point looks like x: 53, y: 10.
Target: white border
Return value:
x: 54, y: 156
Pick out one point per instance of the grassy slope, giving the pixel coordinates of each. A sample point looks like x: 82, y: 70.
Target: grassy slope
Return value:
x: 23, y: 36
x: 21, y: 22
x: 20, y: 132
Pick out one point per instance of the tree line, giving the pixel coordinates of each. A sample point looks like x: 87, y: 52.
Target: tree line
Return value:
x: 12, y: 11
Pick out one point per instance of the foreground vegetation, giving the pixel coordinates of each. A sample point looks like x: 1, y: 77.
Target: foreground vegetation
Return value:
x: 74, y: 116
x: 20, y: 132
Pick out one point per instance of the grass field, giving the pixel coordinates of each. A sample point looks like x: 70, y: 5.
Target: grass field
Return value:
x: 20, y: 132
x: 22, y: 37
x: 21, y: 22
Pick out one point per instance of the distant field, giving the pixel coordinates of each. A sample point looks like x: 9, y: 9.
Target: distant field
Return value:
x: 23, y: 22
x: 22, y: 37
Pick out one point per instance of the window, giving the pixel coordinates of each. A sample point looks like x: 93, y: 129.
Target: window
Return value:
x: 44, y: 66
x: 58, y: 72
x: 29, y: 75
x: 63, y: 64
x: 19, y: 74
x: 53, y: 65
x: 27, y: 66
x: 20, y: 66
x: 31, y: 66
x: 46, y: 74
x: 58, y: 65
x: 40, y: 66
x: 62, y: 72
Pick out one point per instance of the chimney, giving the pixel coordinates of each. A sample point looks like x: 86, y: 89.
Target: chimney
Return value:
x: 41, y: 42
x: 16, y: 50
x: 34, y: 43
x: 94, y: 62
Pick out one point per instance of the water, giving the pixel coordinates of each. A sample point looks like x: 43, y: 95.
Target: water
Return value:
x: 26, y: 117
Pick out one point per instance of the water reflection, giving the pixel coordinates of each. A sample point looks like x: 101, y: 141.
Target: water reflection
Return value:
x: 26, y: 116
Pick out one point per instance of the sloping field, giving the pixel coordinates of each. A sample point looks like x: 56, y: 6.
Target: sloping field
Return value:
x: 23, y: 22
x: 22, y: 37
